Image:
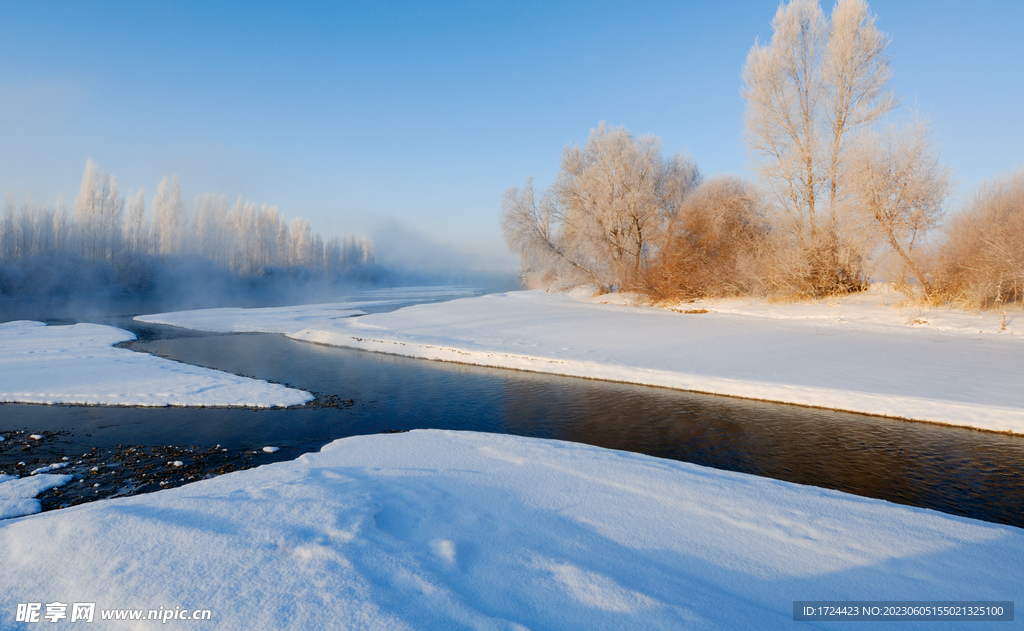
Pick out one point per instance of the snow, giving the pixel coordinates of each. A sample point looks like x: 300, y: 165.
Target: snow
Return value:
x: 260, y: 320
x: 295, y: 318
x: 17, y: 495
x: 49, y: 467
x: 939, y: 366
x: 79, y: 364
x: 859, y: 354
x: 437, y: 529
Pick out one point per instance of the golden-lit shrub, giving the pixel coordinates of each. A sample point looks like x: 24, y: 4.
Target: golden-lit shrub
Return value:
x: 710, y: 248
x: 981, y: 264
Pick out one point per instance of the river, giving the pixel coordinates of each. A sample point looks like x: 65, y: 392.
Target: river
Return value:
x: 959, y: 471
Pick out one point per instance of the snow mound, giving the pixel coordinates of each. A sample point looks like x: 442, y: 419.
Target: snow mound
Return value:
x: 17, y: 495
x: 436, y: 529
x: 79, y: 364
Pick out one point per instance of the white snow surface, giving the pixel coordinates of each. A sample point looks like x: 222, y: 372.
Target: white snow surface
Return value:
x: 258, y: 320
x: 296, y: 318
x: 857, y: 355
x: 79, y: 364
x: 17, y: 495
x: 438, y: 530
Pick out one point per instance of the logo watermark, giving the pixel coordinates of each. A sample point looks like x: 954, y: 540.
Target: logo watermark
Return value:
x: 86, y: 612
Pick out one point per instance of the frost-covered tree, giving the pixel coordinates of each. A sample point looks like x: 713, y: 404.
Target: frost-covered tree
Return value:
x: 63, y: 228
x: 809, y: 92
x: 137, y: 230
x: 169, y: 219
x: 43, y: 233
x: 87, y: 211
x: 99, y: 214
x: 600, y: 220
x: 244, y: 239
x: 302, y: 242
x: 900, y: 185
x: 8, y: 227
x: 111, y: 218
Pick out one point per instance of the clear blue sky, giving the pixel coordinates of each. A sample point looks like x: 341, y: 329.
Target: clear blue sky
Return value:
x: 412, y: 119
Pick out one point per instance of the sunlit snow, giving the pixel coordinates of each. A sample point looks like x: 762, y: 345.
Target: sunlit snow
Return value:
x: 859, y: 354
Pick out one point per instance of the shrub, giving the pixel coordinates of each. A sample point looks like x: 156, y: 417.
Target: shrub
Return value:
x: 711, y: 247
x: 981, y: 263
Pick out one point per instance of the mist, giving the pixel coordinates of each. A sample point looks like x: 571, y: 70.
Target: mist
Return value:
x: 116, y: 255
x: 410, y: 256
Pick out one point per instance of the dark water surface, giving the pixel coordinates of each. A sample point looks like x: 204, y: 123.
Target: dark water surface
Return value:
x: 958, y: 471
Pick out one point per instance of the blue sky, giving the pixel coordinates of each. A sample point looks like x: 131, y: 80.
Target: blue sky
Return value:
x: 408, y: 120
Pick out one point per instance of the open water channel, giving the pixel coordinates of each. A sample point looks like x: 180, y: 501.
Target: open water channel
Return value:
x: 959, y: 471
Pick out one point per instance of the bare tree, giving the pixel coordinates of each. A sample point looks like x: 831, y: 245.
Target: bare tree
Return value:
x: 809, y: 92
x: 600, y: 221
x: 899, y: 183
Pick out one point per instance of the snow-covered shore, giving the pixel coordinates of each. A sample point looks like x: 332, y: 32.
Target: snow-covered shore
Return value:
x: 435, y: 529
x: 79, y: 364
x: 298, y: 317
x: 857, y: 354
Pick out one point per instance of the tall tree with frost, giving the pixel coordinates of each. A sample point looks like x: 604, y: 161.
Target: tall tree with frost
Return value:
x: 111, y: 218
x: 8, y: 226
x: 63, y: 227
x: 87, y: 211
x: 169, y: 220
x: 809, y: 92
x: 137, y: 231
x: 900, y: 186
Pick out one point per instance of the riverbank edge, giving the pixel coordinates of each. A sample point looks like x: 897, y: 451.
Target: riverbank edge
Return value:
x: 997, y: 420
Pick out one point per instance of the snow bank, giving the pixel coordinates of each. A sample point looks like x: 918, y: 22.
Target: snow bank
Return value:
x: 296, y: 318
x: 78, y: 364
x: 17, y: 495
x: 435, y: 529
x: 261, y: 320
x: 822, y: 355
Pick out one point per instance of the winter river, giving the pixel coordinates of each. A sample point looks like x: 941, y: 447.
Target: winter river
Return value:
x: 959, y: 471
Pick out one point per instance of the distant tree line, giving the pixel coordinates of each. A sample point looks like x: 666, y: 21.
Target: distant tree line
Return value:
x: 844, y: 192
x: 105, y: 226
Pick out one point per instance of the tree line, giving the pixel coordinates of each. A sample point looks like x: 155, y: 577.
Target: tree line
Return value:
x: 845, y: 191
x: 104, y: 225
